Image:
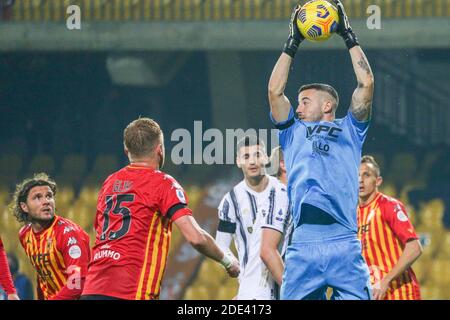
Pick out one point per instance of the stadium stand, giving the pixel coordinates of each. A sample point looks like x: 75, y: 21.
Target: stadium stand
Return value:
x: 218, y: 10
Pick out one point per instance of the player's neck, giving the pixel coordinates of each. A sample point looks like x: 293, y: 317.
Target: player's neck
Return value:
x: 147, y: 163
x: 363, y: 201
x: 283, y: 179
x: 257, y: 184
x: 39, y: 226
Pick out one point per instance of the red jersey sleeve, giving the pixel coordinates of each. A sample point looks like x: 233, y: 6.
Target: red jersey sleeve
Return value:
x: 73, y: 243
x: 6, y: 281
x: 173, y: 200
x: 395, y: 215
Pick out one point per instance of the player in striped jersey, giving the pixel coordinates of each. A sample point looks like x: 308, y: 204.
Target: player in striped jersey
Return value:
x: 58, y: 248
x: 136, y: 208
x: 276, y: 236
x: 6, y: 282
x: 389, y: 243
x: 259, y: 200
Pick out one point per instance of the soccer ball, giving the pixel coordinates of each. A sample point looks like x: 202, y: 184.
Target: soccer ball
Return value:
x: 317, y: 20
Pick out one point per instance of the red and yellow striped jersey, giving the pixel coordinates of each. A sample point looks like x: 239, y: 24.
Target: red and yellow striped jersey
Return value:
x: 384, y: 228
x: 135, y: 210
x: 60, y: 255
x: 6, y: 281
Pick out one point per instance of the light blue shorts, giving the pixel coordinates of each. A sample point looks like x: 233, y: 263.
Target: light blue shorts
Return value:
x: 322, y: 256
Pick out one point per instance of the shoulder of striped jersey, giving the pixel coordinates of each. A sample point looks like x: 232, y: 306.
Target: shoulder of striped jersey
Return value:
x: 389, y: 200
x: 282, y: 187
x: 24, y: 230
x: 64, y: 222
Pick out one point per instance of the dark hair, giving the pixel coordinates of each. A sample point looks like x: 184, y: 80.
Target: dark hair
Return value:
x: 324, y: 88
x: 23, y: 189
x: 248, y: 141
x: 141, y: 136
x: 371, y: 160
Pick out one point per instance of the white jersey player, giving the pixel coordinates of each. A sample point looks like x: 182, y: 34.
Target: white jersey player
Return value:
x: 276, y: 235
x: 259, y: 200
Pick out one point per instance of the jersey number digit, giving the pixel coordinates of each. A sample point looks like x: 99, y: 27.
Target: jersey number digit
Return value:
x: 118, y: 209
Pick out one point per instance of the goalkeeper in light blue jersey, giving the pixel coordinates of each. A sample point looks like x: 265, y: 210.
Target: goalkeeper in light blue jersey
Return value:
x: 322, y: 156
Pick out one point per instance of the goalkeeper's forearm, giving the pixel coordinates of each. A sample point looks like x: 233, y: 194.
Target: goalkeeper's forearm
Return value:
x: 279, y: 76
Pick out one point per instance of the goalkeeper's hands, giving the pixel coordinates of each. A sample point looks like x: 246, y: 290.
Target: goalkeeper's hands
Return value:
x: 344, y: 29
x: 295, y: 36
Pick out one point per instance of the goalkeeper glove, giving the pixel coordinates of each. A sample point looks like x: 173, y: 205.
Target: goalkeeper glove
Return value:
x: 295, y: 37
x: 344, y: 29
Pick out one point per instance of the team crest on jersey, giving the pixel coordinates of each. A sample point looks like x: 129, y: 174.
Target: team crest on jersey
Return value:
x: 180, y: 196
x: 74, y: 252
x: 49, y: 243
x: 250, y: 229
x: 263, y: 211
x: 371, y: 214
x: 280, y: 215
x: 400, y: 214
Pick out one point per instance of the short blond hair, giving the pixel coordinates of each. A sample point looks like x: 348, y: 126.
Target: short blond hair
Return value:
x: 141, y: 136
x: 371, y: 160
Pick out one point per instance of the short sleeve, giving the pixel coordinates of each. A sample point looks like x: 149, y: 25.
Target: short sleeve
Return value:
x: 227, y: 215
x: 360, y: 128
x: 397, y: 219
x: 173, y: 199
x: 278, y: 218
x: 285, y: 128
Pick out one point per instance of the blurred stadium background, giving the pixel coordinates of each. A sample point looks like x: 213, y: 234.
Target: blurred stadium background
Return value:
x: 65, y: 97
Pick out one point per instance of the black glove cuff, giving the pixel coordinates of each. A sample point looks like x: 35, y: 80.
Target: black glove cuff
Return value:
x: 350, y: 39
x: 291, y: 47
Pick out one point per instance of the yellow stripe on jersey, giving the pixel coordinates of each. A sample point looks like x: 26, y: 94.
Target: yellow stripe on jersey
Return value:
x: 155, y: 251
x: 380, y: 226
x: 48, y: 269
x: 144, y: 266
x: 60, y: 258
x: 377, y: 259
x: 59, y: 276
x: 165, y: 248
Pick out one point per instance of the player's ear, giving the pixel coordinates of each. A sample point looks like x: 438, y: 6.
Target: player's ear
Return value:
x: 328, y: 107
x: 24, y: 207
x: 282, y: 165
x: 238, y: 162
x: 379, y: 181
x: 160, y: 149
x: 266, y: 160
x: 125, y: 150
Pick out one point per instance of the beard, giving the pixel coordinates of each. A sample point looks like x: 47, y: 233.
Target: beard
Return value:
x: 41, y: 221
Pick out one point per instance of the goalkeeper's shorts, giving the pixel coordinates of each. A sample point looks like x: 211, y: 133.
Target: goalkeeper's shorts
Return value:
x: 322, y: 256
